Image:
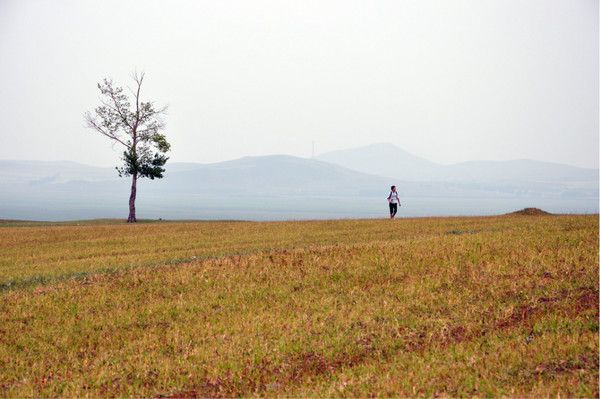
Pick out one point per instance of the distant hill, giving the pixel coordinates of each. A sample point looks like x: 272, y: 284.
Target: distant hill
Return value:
x: 384, y: 159
x: 16, y: 172
x: 278, y: 175
x: 46, y: 172
x: 518, y: 170
x: 285, y: 187
x: 269, y: 187
x: 388, y: 160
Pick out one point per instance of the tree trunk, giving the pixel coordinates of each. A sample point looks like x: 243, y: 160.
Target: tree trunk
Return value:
x: 131, y: 218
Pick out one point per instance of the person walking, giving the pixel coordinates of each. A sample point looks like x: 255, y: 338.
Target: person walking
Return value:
x: 394, y: 202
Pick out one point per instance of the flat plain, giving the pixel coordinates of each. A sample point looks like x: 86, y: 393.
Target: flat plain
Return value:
x: 473, y: 306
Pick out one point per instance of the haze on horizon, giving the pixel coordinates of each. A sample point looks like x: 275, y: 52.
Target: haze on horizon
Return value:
x: 448, y: 81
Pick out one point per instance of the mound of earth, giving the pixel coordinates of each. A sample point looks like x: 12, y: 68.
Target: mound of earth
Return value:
x: 530, y: 212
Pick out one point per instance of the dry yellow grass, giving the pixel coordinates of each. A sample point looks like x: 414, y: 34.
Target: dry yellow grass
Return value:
x: 416, y: 307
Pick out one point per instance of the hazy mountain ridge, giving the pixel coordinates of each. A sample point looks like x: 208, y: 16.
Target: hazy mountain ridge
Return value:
x: 17, y: 172
x: 383, y: 159
x: 388, y: 160
x: 279, y: 175
x: 279, y: 187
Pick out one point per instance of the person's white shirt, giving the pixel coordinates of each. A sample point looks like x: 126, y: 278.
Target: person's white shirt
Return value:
x: 393, y: 197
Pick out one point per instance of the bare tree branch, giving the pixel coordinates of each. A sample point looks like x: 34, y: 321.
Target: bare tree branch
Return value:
x: 91, y: 123
x: 138, y: 80
x: 117, y: 108
x: 116, y: 119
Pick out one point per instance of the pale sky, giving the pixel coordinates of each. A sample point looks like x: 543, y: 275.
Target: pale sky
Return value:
x: 447, y: 80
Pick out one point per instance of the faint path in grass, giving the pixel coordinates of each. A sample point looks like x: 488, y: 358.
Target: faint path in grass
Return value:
x: 31, y: 256
x: 194, y: 260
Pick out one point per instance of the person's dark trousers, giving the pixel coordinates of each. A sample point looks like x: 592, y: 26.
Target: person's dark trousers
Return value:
x: 393, y: 209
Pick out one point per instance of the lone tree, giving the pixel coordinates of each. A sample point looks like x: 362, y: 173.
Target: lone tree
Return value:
x: 136, y: 125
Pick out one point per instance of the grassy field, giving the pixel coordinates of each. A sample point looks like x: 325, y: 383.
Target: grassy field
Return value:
x: 490, y: 306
